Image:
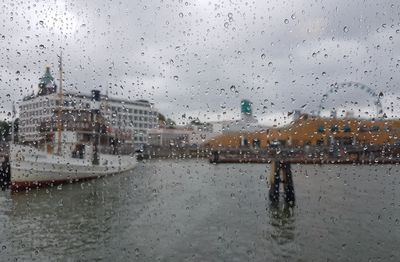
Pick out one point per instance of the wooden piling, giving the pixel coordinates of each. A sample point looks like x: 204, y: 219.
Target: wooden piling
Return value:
x: 288, y: 184
x: 274, y: 182
x: 283, y: 169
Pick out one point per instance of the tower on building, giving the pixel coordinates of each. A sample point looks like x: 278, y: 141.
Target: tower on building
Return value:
x: 47, y: 85
x: 246, y: 111
x: 245, y: 108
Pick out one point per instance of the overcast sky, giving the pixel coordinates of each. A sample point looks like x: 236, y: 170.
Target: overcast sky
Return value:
x: 200, y: 58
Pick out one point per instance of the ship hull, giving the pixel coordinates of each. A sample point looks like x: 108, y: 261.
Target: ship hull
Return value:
x: 38, y: 170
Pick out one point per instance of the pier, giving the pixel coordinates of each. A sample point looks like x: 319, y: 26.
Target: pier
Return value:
x: 281, y: 159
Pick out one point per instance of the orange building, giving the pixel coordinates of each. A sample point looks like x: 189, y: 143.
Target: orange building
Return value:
x: 314, y: 131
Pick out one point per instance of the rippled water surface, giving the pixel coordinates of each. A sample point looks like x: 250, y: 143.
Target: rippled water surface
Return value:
x: 189, y: 210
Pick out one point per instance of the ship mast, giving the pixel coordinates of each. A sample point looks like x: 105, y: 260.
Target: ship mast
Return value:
x: 12, y: 123
x: 60, y: 93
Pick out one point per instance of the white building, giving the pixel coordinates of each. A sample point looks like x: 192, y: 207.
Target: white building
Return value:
x: 247, y: 123
x: 169, y: 137
x: 128, y: 121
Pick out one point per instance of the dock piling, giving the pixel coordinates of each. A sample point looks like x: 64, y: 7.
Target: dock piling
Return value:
x: 281, y: 173
x: 274, y: 182
x: 288, y: 185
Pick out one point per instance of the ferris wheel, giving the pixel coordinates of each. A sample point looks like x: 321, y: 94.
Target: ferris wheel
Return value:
x: 336, y: 87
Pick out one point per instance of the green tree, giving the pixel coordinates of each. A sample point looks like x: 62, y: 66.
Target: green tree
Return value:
x: 5, y: 129
x: 161, y: 117
x: 168, y: 122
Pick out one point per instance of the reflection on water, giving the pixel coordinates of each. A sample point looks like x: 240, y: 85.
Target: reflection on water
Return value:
x: 191, y: 210
x: 282, y: 218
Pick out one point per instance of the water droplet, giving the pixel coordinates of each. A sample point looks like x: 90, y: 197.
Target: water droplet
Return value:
x: 345, y: 29
x: 41, y: 47
x: 286, y: 21
x: 293, y: 16
x: 181, y: 15
x: 226, y: 24
x: 41, y: 22
x: 230, y: 15
x: 176, y: 78
x: 233, y: 88
x: 270, y: 64
x: 263, y: 56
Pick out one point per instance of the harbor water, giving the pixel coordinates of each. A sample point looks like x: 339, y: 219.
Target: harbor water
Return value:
x: 190, y: 210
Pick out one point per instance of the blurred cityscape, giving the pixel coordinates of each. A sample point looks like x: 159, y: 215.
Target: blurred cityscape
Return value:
x: 138, y: 126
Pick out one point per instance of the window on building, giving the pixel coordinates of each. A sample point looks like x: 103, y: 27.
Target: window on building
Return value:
x: 374, y: 129
x: 347, y: 129
x: 334, y: 128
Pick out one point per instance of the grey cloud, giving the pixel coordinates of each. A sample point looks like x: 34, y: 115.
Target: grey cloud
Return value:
x: 184, y: 56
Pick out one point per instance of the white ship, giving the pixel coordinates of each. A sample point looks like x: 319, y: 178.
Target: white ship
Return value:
x: 31, y: 167
x: 73, y: 143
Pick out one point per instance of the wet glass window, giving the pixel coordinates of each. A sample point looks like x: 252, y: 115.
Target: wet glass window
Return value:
x: 199, y: 130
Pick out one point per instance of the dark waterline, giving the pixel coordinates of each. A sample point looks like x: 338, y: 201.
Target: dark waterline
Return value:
x: 190, y: 210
